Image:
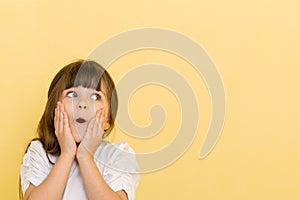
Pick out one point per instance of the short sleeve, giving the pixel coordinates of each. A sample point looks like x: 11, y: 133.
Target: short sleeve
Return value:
x: 120, y: 168
x: 35, y: 166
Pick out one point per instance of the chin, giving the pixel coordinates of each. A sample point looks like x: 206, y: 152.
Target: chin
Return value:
x: 77, y: 136
x: 78, y: 141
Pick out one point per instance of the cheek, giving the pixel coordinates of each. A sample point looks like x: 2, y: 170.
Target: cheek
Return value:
x: 68, y: 108
x: 96, y: 107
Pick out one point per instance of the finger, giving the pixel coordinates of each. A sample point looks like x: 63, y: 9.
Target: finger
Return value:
x: 65, y: 122
x: 105, y: 118
x: 61, y: 119
x: 102, y: 119
x: 98, y: 117
x: 90, y: 126
x: 99, y: 130
x: 62, y: 107
x: 55, y: 118
x: 95, y: 126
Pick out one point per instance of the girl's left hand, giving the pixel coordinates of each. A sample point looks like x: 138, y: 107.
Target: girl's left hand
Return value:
x: 93, y: 135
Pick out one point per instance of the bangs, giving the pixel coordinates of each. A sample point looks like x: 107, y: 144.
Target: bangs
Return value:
x: 87, y: 75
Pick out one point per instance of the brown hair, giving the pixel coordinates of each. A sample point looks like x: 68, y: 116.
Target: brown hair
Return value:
x: 84, y: 73
x: 88, y: 74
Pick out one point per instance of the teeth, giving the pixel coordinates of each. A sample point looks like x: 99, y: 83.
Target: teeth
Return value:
x: 80, y: 120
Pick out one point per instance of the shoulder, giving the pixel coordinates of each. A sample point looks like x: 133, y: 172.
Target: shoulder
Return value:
x: 36, y: 153
x: 119, y: 167
x: 36, y: 147
x: 119, y: 156
x: 112, y: 148
x: 35, y: 165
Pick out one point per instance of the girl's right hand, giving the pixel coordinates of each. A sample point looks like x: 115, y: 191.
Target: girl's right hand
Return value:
x: 63, y: 131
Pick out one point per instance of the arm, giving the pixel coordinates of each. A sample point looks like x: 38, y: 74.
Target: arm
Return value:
x: 53, y: 186
x: 94, y: 184
x: 55, y: 181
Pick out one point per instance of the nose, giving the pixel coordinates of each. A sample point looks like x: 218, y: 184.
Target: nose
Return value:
x: 82, y: 105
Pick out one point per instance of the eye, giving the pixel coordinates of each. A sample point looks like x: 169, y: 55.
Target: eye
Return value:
x: 96, y: 97
x: 71, y: 94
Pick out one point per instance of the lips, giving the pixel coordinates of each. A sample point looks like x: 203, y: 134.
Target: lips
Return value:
x: 80, y: 120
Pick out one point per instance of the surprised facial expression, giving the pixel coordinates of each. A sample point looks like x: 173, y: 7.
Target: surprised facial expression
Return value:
x: 81, y: 105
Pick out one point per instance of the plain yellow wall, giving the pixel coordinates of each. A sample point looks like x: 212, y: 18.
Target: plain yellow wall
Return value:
x: 255, y: 46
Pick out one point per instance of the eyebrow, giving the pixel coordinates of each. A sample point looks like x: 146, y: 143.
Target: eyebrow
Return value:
x: 74, y: 89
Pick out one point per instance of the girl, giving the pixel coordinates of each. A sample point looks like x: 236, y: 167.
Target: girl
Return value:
x: 70, y: 158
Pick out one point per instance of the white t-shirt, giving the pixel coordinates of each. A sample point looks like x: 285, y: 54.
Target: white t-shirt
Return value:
x: 116, y: 162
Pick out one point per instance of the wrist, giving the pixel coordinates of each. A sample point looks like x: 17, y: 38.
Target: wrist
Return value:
x: 67, y: 156
x: 83, y: 153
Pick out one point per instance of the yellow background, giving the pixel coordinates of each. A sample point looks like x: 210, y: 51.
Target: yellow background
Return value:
x: 255, y: 46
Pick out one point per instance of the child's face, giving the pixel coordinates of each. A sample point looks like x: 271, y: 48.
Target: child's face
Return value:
x: 81, y: 105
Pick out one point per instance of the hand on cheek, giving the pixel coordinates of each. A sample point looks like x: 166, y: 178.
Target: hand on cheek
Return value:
x: 93, y: 135
x: 63, y: 132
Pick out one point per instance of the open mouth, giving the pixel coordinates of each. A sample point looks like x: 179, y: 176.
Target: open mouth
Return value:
x: 80, y: 120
